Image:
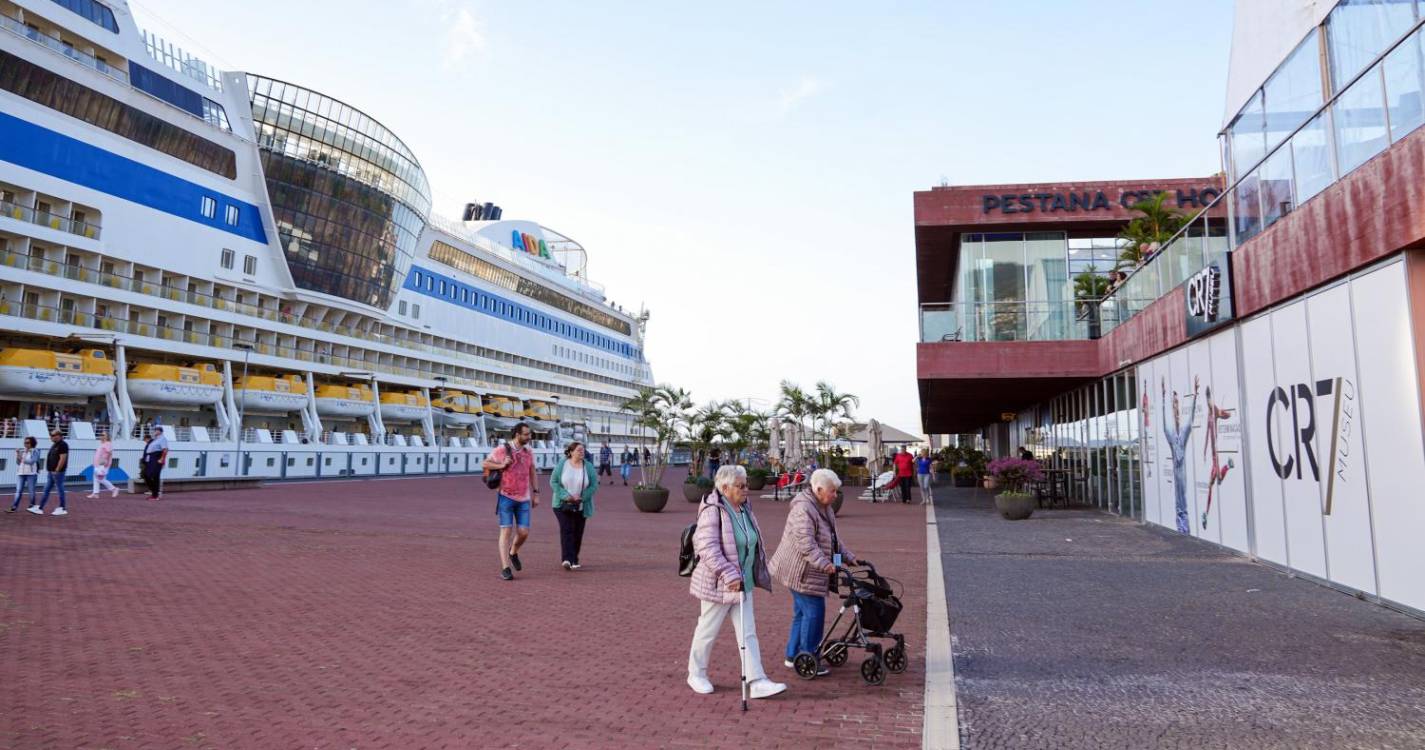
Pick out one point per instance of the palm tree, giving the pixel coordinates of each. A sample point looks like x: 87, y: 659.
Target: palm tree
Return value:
x: 661, y: 410
x: 831, y: 404
x: 705, y: 426
x: 1146, y: 233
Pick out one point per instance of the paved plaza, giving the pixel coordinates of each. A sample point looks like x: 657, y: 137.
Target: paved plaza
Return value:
x: 370, y: 614
x: 1077, y: 629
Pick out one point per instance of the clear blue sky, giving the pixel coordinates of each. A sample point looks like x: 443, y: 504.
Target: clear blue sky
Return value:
x: 745, y: 169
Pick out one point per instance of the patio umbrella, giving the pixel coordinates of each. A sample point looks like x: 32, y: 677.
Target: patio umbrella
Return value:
x: 793, y: 457
x: 774, y: 435
x: 873, y: 447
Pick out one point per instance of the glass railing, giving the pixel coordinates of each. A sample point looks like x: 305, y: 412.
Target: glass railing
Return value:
x: 1379, y: 107
x: 44, y: 40
x: 1008, y: 321
x: 182, y: 62
x: 51, y: 220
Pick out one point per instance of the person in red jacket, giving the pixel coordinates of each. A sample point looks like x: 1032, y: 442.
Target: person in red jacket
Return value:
x: 905, y: 472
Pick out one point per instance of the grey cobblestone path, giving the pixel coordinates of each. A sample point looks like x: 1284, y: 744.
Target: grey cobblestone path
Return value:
x: 1081, y: 629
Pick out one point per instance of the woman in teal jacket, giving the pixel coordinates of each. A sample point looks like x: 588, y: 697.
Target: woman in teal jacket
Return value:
x: 575, y: 480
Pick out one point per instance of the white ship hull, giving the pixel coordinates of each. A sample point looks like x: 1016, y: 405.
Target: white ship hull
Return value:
x: 344, y: 407
x: 34, y: 381
x: 168, y: 393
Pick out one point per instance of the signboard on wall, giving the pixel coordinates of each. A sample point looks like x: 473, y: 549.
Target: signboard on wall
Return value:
x: 1207, y: 296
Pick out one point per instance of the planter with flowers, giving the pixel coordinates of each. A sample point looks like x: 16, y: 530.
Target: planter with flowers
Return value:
x: 1015, y: 475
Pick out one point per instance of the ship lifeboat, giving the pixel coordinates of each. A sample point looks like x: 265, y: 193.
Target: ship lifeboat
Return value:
x: 345, y: 401
x: 542, y: 415
x: 39, y: 372
x: 456, y: 409
x: 404, y: 407
x: 198, y: 384
x: 503, y: 412
x: 271, y: 394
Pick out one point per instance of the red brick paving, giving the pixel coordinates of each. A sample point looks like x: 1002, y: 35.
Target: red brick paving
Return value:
x: 369, y: 614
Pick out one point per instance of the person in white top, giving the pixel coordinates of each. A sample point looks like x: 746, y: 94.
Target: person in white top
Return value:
x: 574, y: 482
x: 27, y: 471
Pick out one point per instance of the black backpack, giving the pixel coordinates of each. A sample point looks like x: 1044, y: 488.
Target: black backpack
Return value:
x: 687, y: 558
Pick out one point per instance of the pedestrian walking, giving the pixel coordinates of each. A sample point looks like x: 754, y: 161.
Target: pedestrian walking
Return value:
x: 572, y: 488
x: 924, y: 469
x: 905, y: 472
x: 731, y: 562
x: 647, y: 457
x: 806, y: 560
x: 103, y: 456
x: 606, y: 462
x: 625, y: 465
x: 27, y: 472
x: 714, y: 462
x: 56, y: 463
x: 519, y: 491
x: 155, y: 457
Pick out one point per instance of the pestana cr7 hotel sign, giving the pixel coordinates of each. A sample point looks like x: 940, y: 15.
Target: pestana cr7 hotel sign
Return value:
x: 1088, y: 201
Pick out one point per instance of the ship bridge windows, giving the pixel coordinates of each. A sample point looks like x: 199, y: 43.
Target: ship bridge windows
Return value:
x: 97, y: 13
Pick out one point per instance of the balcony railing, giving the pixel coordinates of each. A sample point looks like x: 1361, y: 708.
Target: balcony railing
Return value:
x: 1377, y: 108
x: 181, y: 62
x: 1008, y: 321
x: 51, y: 220
x: 54, y: 45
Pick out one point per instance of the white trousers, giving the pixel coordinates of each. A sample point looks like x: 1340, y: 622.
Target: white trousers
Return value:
x: 710, y: 623
x: 102, y: 480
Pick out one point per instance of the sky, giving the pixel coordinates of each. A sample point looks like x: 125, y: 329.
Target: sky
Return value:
x: 745, y: 170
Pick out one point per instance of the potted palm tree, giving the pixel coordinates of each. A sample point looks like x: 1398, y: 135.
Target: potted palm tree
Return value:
x: 1015, y: 474
x: 661, y: 411
x: 1146, y: 233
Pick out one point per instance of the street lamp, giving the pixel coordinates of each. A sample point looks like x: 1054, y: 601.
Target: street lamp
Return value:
x: 246, y: 354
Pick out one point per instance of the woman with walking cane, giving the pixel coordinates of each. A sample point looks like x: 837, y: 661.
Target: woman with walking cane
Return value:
x: 731, y: 562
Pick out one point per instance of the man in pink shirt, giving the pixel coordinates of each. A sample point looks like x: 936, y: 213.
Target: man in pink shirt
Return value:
x: 519, y: 491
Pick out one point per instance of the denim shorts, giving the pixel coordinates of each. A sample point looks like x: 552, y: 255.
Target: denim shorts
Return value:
x: 513, y: 512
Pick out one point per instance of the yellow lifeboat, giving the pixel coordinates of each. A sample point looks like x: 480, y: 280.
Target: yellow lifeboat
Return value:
x: 503, y: 412
x: 197, y: 384
x: 40, y: 372
x: 410, y: 406
x: 270, y: 394
x: 542, y: 415
x: 345, y: 400
x: 456, y: 409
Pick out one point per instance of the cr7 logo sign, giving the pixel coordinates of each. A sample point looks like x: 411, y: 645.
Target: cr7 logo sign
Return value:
x: 1297, y: 448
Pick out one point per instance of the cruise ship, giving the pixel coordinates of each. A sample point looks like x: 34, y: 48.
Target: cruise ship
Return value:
x: 256, y: 267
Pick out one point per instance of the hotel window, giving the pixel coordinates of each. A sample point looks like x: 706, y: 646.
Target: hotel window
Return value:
x: 209, y: 207
x: 249, y: 264
x: 226, y: 261
x: 232, y: 216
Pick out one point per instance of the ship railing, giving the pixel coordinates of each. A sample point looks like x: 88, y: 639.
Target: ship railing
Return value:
x: 182, y: 62
x: 14, y: 26
x: 554, y: 272
x: 175, y: 433
x: 13, y: 210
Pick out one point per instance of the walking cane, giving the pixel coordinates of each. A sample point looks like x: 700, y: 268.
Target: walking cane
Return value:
x: 742, y: 644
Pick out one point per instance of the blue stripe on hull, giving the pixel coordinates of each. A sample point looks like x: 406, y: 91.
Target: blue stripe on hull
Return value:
x: 55, y: 154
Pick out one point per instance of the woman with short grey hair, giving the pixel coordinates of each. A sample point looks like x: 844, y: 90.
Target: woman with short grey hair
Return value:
x: 806, y: 560
x: 731, y: 562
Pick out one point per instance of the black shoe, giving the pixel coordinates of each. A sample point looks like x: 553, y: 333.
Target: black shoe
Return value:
x: 515, y: 561
x: 505, y: 574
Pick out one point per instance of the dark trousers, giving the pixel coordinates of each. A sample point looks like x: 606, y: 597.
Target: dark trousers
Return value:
x: 571, y: 535
x: 55, y: 482
x: 606, y: 470
x: 153, y: 477
x: 905, y: 483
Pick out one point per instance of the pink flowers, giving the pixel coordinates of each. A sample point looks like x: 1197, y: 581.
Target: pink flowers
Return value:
x: 1014, y: 473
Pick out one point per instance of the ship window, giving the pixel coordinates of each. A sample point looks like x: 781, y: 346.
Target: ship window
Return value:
x: 402, y: 308
x: 442, y: 288
x: 227, y: 259
x: 209, y: 207
x: 430, y: 283
x: 416, y: 311
x: 93, y: 11
x: 249, y: 264
x: 232, y: 216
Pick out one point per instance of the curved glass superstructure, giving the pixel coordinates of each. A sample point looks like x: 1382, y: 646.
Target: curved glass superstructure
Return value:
x: 349, y: 198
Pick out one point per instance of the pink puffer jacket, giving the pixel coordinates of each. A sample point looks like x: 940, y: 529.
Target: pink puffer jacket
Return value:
x: 806, y: 547
x: 717, y: 554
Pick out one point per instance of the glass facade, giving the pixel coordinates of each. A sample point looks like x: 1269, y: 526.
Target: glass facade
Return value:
x: 506, y: 279
x: 43, y: 86
x: 349, y: 198
x: 1091, y: 435
x: 97, y: 13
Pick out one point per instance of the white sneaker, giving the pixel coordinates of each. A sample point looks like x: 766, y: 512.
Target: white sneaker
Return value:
x: 116, y: 493
x: 765, y: 688
x: 575, y: 566
x: 90, y: 496
x: 35, y: 509
x: 59, y: 512
x: 788, y: 664
x: 700, y: 685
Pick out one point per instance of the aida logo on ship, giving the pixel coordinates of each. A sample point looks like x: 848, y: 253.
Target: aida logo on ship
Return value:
x: 521, y: 241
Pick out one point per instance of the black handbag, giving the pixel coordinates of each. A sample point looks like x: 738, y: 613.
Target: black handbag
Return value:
x: 493, y: 477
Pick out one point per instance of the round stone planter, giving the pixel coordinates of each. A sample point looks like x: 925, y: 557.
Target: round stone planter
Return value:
x: 651, y: 500
x: 1014, y: 506
x: 692, y: 493
x: 756, y: 483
